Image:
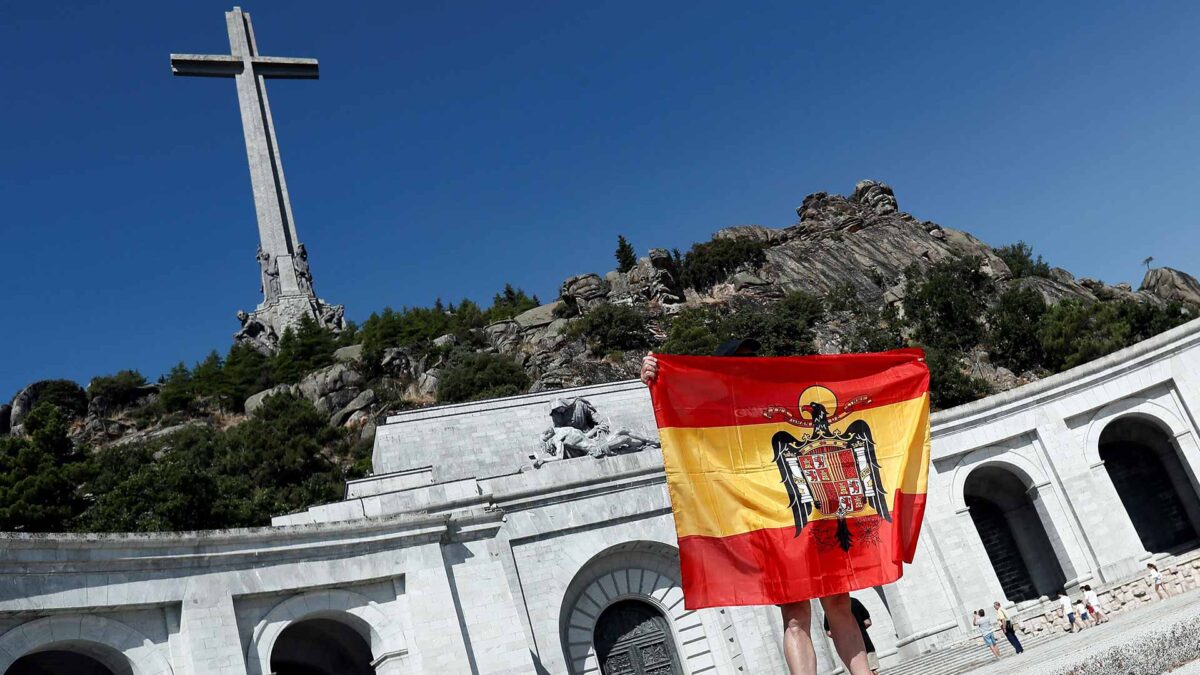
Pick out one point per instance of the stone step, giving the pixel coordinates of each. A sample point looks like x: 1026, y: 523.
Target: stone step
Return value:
x: 963, y: 657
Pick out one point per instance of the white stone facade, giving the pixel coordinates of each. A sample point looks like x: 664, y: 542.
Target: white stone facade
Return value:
x: 459, y: 557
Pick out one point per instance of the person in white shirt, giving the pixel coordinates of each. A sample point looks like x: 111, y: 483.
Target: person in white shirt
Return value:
x: 1156, y: 581
x: 1092, y: 604
x: 1068, y: 610
x: 1085, y: 619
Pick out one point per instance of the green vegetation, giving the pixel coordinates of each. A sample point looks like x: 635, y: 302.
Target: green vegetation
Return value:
x: 1020, y: 260
x: 283, y: 458
x: 709, y: 263
x: 945, y: 305
x: 510, y: 303
x: 871, y: 328
x: 610, y: 328
x: 783, y: 329
x: 40, y: 473
x: 1074, y: 332
x: 1015, y: 321
x: 626, y: 256
x: 471, y: 376
x: 949, y: 385
x: 301, y: 351
x: 118, y: 390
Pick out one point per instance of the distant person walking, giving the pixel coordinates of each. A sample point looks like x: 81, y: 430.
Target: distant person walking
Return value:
x: 1156, y: 580
x: 1006, y: 625
x: 1068, y: 610
x: 987, y: 628
x: 1093, y: 604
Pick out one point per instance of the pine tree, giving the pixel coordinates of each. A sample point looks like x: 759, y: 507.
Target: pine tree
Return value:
x: 626, y: 257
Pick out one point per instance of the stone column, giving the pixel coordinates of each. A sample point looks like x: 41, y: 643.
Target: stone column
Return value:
x: 488, y: 611
x: 437, y: 644
x: 1107, y: 534
x: 210, y: 642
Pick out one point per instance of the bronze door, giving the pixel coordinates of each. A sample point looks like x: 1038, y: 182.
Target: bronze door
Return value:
x: 633, y: 638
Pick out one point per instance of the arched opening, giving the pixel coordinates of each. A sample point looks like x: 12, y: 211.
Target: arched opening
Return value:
x: 321, y: 647
x: 633, y: 638
x: 1013, y: 534
x: 72, y: 658
x: 1153, y: 485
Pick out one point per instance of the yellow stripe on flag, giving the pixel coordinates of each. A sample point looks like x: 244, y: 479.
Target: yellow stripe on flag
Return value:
x: 724, y: 481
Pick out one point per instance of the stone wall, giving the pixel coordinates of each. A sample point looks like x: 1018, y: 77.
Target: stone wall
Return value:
x: 1182, y: 574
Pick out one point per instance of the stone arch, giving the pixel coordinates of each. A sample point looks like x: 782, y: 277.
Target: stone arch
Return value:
x: 1015, y: 531
x: 1032, y: 475
x: 1138, y: 446
x: 647, y: 571
x: 119, y: 647
x: 1138, y: 406
x: 385, y: 637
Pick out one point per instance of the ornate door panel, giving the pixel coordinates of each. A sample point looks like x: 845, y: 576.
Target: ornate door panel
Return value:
x: 633, y: 638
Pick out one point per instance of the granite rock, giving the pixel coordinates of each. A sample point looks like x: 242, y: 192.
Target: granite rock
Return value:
x: 1171, y: 284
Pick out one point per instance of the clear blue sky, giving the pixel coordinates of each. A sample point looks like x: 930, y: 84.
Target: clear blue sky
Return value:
x: 449, y: 148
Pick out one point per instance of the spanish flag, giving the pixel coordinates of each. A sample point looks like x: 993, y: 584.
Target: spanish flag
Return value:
x: 793, y: 478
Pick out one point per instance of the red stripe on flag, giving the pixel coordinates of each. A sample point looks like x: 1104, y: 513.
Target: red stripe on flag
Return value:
x: 707, y: 391
x: 774, y: 566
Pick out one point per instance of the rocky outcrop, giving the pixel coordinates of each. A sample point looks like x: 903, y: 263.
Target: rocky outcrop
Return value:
x: 330, y: 390
x: 653, y: 280
x: 351, y: 354
x: 581, y: 293
x: 1171, y: 285
x: 69, y: 395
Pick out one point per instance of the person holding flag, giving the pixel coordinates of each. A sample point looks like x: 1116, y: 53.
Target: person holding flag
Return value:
x: 793, y: 478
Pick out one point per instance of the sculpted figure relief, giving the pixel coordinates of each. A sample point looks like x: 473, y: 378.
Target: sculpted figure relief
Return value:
x: 577, y: 433
x: 255, y: 333
x: 303, y: 273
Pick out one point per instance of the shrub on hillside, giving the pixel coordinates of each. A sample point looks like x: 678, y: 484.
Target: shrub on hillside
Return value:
x: 1074, y: 332
x: 302, y: 350
x: 784, y: 328
x: 121, y: 389
x: 610, y: 328
x: 472, y: 376
x: 945, y: 304
x: 708, y: 264
x: 511, y: 302
x: 626, y: 256
x: 1013, y: 326
x: 40, y: 473
x: 694, y: 330
x: 1020, y: 260
x: 948, y: 384
x: 67, y: 396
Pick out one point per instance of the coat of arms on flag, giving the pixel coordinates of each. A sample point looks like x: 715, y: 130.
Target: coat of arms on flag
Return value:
x: 794, y: 477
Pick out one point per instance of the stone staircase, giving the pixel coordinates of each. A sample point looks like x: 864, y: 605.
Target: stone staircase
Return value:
x: 966, y: 656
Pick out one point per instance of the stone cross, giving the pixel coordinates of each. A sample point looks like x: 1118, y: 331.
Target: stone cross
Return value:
x: 276, y: 228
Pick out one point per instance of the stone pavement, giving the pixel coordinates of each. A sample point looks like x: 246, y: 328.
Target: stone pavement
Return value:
x: 1149, y: 641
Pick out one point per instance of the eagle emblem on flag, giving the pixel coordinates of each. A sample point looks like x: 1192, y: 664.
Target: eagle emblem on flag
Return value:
x: 834, y: 471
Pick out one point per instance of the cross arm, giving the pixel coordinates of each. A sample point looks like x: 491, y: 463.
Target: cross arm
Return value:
x: 206, y: 65
x: 285, y: 67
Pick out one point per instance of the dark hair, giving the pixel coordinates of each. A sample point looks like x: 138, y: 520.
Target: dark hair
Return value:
x: 1086, y: 588
x: 981, y: 613
x: 1152, y: 566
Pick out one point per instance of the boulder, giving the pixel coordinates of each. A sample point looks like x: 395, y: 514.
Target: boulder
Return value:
x: 402, y: 363
x: 360, y: 403
x: 582, y: 292
x: 447, y: 340
x: 1171, y: 284
x: 504, y: 336
x: 351, y: 354
x: 332, y: 387
x: 538, y: 316
x: 255, y: 401
x: 70, y: 397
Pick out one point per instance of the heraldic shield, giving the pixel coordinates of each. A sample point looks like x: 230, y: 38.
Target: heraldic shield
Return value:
x: 834, y: 472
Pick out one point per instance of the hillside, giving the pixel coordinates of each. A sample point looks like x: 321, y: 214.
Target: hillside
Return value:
x: 214, y: 445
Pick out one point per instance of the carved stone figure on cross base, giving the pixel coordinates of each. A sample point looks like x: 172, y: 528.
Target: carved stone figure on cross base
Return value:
x: 303, y: 273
